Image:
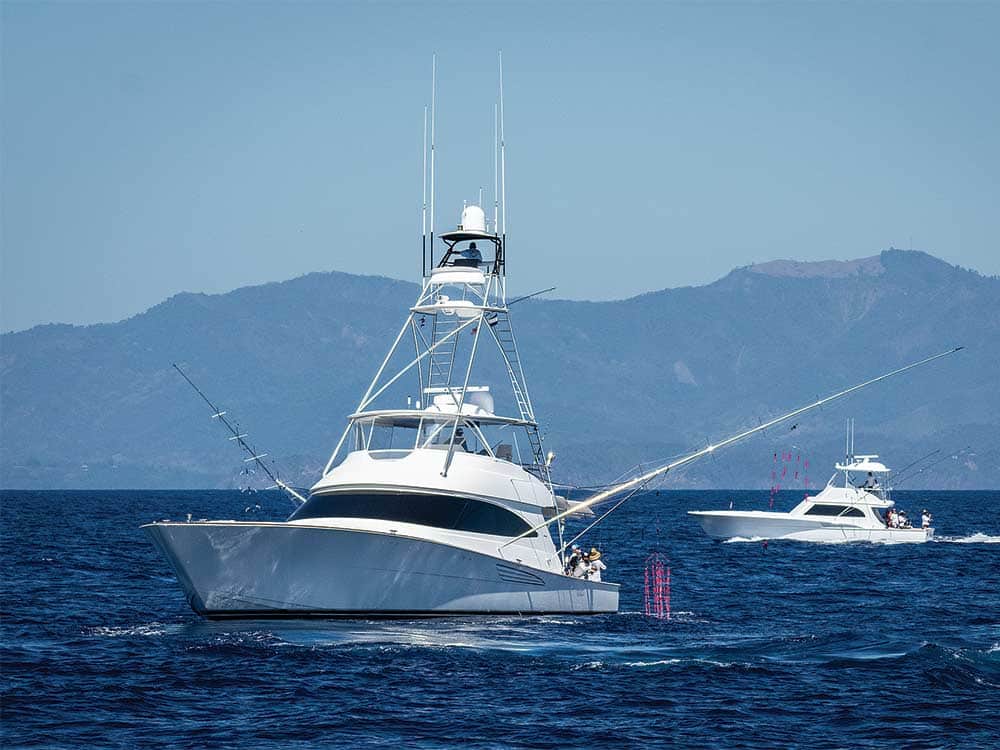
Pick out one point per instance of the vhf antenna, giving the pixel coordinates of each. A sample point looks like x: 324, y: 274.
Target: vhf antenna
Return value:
x: 496, y: 175
x: 423, y: 209
x: 240, y: 438
x: 503, y: 169
x: 433, y: 108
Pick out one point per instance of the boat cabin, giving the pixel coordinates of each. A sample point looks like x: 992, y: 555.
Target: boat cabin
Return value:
x: 860, y: 499
x: 471, y: 426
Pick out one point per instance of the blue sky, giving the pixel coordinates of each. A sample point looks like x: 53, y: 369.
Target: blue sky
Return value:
x: 152, y: 148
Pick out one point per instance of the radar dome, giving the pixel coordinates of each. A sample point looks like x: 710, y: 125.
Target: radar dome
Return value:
x: 473, y: 219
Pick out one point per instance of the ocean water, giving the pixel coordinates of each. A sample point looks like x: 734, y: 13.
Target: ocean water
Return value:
x: 820, y: 646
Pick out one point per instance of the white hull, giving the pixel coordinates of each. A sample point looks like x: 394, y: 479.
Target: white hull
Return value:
x: 765, y: 525
x: 249, y: 570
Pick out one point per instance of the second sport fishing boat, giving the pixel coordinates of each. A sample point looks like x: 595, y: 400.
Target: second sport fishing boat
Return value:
x: 859, y: 509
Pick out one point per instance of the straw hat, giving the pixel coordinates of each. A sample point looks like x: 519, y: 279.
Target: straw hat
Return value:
x: 594, y: 554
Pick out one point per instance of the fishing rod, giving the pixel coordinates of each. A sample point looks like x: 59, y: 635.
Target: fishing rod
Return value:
x: 240, y: 438
x: 908, y: 477
x: 691, y: 457
x: 902, y: 472
x: 529, y: 296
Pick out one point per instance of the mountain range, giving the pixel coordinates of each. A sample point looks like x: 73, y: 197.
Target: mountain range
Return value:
x: 614, y: 384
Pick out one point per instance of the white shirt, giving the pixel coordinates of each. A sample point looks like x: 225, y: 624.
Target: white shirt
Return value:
x: 595, y: 570
x: 925, y: 520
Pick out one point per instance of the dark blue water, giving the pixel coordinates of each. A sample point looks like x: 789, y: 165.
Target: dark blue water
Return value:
x: 793, y: 645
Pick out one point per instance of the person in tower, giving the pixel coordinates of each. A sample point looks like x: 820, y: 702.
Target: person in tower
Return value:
x: 470, y: 257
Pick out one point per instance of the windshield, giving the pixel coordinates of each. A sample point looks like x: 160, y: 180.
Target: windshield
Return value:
x: 428, y: 432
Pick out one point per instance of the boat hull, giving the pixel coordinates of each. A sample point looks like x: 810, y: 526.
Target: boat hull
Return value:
x: 253, y: 570
x: 759, y: 525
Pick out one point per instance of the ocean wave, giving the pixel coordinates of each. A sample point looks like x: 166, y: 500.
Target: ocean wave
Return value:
x: 743, y: 539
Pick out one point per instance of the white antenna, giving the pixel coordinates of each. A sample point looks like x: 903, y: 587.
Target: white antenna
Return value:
x: 480, y: 204
x: 433, y: 98
x: 847, y: 442
x: 503, y: 170
x: 496, y: 174
x: 423, y: 210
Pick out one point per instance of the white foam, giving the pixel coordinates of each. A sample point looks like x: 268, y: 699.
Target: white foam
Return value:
x: 667, y: 662
x: 977, y: 537
x: 743, y: 539
x: 657, y: 663
x: 108, y: 631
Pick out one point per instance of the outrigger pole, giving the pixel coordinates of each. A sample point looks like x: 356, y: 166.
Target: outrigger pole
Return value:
x: 644, y: 478
x: 239, y: 437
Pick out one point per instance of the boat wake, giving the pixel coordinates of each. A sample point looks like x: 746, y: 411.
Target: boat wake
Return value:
x: 974, y: 538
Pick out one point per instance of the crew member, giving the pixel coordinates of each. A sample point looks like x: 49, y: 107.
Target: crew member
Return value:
x: 594, y: 565
x: 573, y: 560
x: 926, y: 519
x: 470, y: 257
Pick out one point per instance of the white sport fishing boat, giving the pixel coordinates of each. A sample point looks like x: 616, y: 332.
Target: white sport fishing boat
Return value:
x: 444, y: 507
x: 438, y: 508
x: 844, y: 513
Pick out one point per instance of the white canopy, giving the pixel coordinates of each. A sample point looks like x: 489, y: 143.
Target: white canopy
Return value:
x: 864, y: 464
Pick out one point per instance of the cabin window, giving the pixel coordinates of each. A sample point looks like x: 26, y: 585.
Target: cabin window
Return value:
x: 835, y: 510
x: 439, y: 511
